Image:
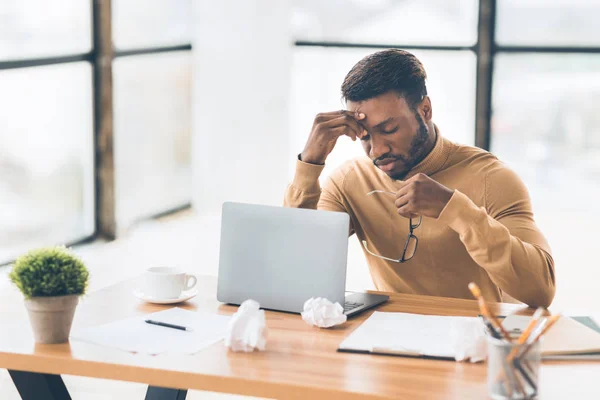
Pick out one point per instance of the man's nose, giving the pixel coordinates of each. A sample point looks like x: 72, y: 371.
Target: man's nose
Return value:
x: 378, y: 147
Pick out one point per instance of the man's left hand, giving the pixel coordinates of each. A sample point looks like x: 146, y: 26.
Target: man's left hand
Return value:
x: 421, y: 195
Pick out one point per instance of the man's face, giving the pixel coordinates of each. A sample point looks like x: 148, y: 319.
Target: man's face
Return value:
x: 397, y: 137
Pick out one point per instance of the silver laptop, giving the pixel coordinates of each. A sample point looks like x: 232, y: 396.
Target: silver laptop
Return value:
x: 281, y: 257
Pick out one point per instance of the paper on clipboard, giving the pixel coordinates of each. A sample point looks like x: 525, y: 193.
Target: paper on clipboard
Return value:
x: 407, y: 335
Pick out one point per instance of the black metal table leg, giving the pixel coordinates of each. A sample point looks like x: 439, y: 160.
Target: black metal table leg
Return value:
x: 35, y: 386
x: 159, y: 393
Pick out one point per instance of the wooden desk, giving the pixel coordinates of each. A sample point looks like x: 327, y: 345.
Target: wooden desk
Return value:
x: 301, y: 361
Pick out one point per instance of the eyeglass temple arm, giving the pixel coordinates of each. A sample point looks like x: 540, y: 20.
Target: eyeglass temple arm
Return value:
x: 380, y: 191
x: 364, y: 242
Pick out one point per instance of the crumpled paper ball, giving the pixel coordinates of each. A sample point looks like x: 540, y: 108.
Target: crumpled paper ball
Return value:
x: 469, y: 340
x: 323, y: 313
x: 247, y: 329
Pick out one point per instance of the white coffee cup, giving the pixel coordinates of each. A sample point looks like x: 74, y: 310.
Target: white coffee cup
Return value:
x: 167, y: 282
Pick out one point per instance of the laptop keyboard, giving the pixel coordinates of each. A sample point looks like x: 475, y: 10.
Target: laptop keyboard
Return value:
x: 348, y: 305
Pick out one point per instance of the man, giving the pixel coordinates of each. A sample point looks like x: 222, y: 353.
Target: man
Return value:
x: 442, y: 214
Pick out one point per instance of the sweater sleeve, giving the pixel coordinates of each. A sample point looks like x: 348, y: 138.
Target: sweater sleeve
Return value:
x: 502, y: 237
x: 305, y: 190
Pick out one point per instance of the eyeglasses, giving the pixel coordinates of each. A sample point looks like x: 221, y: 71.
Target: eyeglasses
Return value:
x: 410, y: 246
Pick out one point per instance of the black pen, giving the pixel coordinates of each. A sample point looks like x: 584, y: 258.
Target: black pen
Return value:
x: 517, y: 364
x: 493, y: 332
x: 167, y: 325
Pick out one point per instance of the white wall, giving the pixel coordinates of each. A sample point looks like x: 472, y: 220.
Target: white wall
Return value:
x: 242, y: 138
x: 242, y: 52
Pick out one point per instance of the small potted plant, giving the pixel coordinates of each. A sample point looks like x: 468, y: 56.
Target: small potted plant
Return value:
x: 51, y: 279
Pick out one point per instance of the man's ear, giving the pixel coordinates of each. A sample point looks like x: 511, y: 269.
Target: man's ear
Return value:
x: 425, y: 109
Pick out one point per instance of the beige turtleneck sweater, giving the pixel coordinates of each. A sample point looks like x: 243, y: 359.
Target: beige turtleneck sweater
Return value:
x: 485, y: 234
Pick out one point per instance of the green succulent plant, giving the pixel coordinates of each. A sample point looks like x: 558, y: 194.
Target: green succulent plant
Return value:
x: 51, y: 271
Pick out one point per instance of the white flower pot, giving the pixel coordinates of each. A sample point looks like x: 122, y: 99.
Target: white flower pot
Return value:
x: 51, y: 317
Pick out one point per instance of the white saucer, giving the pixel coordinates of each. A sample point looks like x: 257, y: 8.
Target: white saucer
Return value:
x: 183, y: 297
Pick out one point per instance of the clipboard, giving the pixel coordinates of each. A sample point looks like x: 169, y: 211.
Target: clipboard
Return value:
x: 407, y: 335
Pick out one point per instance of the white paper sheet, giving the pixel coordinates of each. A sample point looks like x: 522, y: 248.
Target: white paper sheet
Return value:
x: 408, y: 334
x: 135, y: 335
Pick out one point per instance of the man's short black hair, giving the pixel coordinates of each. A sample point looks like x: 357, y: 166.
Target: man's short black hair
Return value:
x: 384, y: 71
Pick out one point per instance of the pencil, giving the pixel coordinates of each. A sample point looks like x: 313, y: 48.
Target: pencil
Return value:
x: 485, y: 311
x: 512, y: 355
x: 513, y: 378
x: 526, y: 333
x: 530, y: 382
x: 551, y: 321
x: 510, y: 379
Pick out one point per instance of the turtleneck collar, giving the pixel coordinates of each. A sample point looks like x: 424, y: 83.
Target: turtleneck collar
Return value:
x: 434, y: 161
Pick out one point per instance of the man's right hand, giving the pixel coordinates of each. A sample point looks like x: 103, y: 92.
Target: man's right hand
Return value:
x: 326, y: 130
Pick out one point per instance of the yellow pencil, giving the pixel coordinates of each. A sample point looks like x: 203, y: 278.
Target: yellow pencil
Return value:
x: 485, y: 311
x: 526, y: 333
x: 551, y: 321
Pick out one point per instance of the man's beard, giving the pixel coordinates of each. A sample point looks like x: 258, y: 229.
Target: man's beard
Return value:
x: 416, y: 153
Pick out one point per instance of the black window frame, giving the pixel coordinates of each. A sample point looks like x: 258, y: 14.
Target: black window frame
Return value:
x: 485, y: 49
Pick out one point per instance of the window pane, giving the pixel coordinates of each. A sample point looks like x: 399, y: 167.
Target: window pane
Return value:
x: 41, y: 28
x: 546, y: 126
x: 46, y: 157
x: 152, y: 134
x: 548, y: 22
x: 151, y: 23
x: 431, y: 22
x: 318, y: 73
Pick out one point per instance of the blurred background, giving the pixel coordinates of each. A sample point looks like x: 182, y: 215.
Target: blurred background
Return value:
x: 198, y: 102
